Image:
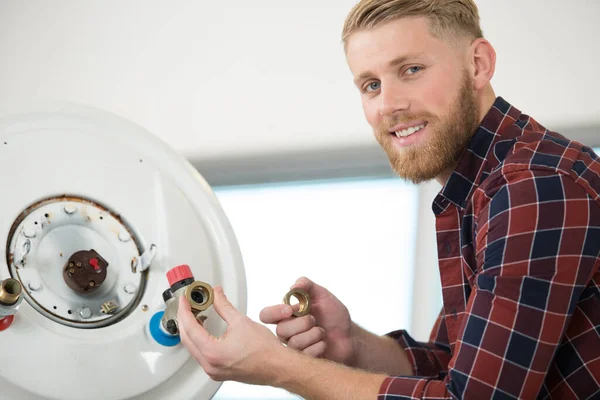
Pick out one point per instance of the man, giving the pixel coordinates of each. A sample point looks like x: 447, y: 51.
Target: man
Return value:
x: 518, y: 234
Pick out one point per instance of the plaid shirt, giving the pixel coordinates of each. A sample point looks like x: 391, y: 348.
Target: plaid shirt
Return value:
x: 518, y: 233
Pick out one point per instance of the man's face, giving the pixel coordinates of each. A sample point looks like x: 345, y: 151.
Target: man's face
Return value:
x: 416, y: 95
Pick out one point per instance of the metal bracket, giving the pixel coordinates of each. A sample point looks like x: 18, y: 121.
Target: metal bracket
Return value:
x: 25, y: 248
x: 145, y: 259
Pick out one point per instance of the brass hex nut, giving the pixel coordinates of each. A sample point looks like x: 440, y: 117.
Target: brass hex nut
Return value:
x: 200, y: 295
x: 303, y: 299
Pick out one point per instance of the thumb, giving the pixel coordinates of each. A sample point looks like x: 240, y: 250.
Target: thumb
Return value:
x: 223, y: 307
x: 312, y: 288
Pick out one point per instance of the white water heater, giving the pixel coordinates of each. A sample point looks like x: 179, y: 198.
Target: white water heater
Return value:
x: 102, y: 227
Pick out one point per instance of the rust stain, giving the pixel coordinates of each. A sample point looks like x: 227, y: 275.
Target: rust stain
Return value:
x: 65, y: 198
x: 114, y: 229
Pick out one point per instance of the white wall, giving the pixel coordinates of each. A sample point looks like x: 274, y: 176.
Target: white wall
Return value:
x: 238, y: 76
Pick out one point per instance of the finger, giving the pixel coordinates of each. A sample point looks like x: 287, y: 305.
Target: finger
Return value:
x: 316, y: 350
x: 303, y: 283
x: 274, y: 314
x: 306, y: 339
x: 312, y: 288
x: 294, y: 326
x: 194, y: 349
x: 223, y: 307
x: 314, y: 291
x: 188, y: 325
x: 186, y: 341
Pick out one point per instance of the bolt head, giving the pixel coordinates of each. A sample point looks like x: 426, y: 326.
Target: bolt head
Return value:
x: 70, y: 208
x: 124, y: 236
x: 29, y: 232
x: 85, y: 313
x: 130, y: 288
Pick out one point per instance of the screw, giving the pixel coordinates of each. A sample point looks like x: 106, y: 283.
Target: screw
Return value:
x: 71, y: 271
x: 124, y: 236
x: 144, y: 308
x: 85, y: 313
x: 130, y: 288
x: 33, y: 286
x: 29, y: 232
x: 92, y: 283
x: 70, y: 208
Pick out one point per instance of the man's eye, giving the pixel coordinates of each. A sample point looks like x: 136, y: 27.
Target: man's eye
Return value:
x: 372, y: 86
x: 413, y: 70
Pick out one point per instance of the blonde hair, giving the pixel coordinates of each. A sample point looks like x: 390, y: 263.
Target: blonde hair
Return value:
x: 458, y: 18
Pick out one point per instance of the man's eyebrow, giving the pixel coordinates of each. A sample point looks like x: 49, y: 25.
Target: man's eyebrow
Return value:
x: 396, y: 61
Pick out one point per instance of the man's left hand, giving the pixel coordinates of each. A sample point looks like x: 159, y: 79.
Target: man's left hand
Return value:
x: 241, y: 354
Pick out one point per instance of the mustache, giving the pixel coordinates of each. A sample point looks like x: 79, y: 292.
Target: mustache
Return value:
x: 389, y: 123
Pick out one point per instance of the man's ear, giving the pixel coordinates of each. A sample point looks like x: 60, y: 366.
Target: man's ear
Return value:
x: 483, y: 62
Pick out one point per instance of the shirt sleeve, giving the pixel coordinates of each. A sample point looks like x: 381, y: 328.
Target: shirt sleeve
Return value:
x: 535, y: 255
x: 427, y: 359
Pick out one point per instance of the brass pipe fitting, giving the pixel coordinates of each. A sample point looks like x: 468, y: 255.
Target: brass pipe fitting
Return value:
x: 303, y: 299
x: 182, y: 283
x: 11, y: 295
x: 10, y: 291
x: 200, y: 295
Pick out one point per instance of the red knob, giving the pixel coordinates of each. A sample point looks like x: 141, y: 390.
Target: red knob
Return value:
x: 179, y: 273
x: 94, y: 264
x: 6, y: 322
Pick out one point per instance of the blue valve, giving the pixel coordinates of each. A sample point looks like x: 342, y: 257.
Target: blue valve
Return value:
x: 156, y: 331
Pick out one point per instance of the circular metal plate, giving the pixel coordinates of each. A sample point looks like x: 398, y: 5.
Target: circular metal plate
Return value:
x: 43, y: 238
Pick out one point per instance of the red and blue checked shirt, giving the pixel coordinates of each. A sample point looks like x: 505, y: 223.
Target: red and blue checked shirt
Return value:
x: 518, y: 234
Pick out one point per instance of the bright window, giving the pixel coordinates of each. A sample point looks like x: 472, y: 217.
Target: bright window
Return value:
x: 354, y: 237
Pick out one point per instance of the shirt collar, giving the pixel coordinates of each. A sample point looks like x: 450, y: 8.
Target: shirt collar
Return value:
x: 488, y: 147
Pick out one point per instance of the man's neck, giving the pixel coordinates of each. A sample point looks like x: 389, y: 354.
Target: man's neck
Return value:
x: 485, y: 103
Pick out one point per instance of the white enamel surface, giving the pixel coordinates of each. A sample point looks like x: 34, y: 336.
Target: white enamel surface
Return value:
x: 85, y: 152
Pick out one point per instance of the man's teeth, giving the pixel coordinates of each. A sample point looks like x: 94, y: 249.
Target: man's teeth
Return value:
x: 409, y: 131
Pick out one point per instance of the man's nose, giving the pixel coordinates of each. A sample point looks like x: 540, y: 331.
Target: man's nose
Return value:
x: 392, y: 100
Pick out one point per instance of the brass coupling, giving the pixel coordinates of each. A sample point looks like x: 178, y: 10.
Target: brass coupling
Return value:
x: 11, y: 295
x: 200, y: 295
x: 303, y: 300
x: 10, y: 291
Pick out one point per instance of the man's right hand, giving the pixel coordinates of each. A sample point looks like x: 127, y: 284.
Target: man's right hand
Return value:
x: 325, y: 332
